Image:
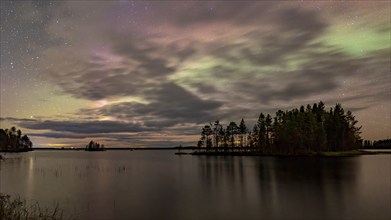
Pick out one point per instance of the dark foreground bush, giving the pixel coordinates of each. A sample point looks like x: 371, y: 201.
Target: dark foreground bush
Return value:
x: 17, y: 209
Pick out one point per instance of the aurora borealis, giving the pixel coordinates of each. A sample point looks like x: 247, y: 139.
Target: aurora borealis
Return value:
x: 152, y: 73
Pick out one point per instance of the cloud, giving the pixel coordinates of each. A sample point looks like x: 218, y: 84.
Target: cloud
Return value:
x: 132, y: 61
x: 106, y: 79
x: 62, y: 135
x: 80, y: 127
x: 161, y: 66
x: 255, y: 64
x: 70, y: 135
x: 201, y: 13
x: 17, y: 119
x: 169, y: 105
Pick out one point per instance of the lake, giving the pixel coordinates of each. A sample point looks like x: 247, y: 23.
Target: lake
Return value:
x: 156, y: 184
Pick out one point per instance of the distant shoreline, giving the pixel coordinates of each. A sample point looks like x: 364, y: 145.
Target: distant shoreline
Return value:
x: 115, y: 148
x: 321, y: 154
x: 216, y: 153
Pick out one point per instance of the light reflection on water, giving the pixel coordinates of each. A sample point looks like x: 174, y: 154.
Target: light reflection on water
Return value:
x: 161, y: 185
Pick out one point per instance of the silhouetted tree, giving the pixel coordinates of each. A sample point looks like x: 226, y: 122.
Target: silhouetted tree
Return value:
x: 381, y: 144
x: 217, y: 132
x: 206, y: 132
x: 94, y: 146
x: 11, y: 140
x: 305, y: 130
x: 200, y: 143
x: 261, y: 125
x: 268, y: 131
x: 243, y: 131
x: 254, y: 137
x: 232, y: 130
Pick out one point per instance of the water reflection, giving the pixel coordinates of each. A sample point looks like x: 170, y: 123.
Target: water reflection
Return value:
x: 218, y: 171
x: 160, y: 185
x: 305, y: 188
x: 30, y: 177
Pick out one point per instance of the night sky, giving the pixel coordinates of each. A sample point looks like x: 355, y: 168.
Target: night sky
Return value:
x: 151, y: 74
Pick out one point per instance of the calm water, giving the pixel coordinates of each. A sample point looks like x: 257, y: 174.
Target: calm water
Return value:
x: 161, y: 185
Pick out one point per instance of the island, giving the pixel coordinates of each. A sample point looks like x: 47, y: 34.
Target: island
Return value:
x: 94, y: 146
x: 310, y: 130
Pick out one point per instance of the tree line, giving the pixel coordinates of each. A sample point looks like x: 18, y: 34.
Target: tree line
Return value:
x: 94, y: 146
x: 12, y: 140
x: 310, y: 129
x: 379, y: 144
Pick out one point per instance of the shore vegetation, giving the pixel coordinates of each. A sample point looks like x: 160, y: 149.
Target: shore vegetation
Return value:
x: 18, y: 209
x: 12, y: 140
x: 94, y: 146
x: 310, y: 130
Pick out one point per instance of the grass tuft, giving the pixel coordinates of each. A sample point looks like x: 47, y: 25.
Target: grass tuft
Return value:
x: 17, y: 209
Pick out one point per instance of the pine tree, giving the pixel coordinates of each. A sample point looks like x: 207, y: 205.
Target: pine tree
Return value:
x: 217, y: 132
x: 207, y: 131
x: 242, y: 131
x: 261, y: 124
x: 232, y: 130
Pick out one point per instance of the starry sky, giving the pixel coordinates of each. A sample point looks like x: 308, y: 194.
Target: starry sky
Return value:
x: 152, y: 73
